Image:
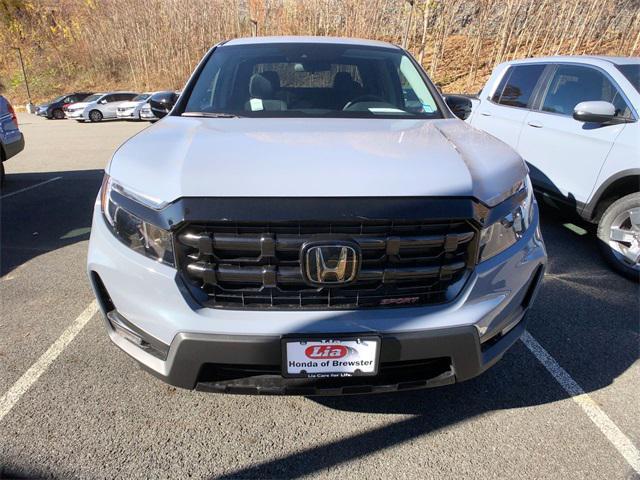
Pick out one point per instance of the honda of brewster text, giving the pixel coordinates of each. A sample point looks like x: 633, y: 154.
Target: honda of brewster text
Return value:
x: 309, y: 217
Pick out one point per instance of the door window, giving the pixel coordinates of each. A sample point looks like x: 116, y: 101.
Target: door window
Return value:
x: 572, y: 84
x: 517, y: 85
x: 632, y: 72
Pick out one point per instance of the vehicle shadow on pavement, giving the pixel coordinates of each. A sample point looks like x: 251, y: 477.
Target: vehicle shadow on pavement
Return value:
x: 46, y: 217
x: 585, y: 316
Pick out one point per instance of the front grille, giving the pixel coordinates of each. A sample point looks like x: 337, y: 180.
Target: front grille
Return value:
x: 250, y: 265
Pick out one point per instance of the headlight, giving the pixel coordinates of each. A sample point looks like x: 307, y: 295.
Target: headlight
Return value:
x: 143, y: 237
x: 505, y: 232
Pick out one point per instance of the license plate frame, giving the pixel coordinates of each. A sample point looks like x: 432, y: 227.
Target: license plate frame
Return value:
x: 365, y: 342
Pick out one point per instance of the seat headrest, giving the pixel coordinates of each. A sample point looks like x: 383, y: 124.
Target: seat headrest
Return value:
x: 273, y: 77
x: 260, y: 86
x: 343, y: 81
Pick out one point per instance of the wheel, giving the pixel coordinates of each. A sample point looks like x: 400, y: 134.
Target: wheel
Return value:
x: 619, y: 234
x: 95, y: 115
x: 58, y: 114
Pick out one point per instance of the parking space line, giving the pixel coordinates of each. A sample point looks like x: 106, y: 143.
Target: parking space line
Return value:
x: 609, y: 429
x: 30, y: 187
x: 24, y: 383
x: 619, y: 440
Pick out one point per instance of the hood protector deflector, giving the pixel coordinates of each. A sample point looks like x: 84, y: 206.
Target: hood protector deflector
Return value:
x: 309, y: 209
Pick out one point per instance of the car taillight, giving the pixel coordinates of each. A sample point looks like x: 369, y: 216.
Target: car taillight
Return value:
x: 14, y: 117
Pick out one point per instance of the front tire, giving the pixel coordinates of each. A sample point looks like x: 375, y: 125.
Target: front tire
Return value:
x: 58, y: 114
x: 619, y: 235
x: 95, y: 116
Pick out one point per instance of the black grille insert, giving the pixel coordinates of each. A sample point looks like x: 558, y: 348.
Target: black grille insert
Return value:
x: 252, y: 265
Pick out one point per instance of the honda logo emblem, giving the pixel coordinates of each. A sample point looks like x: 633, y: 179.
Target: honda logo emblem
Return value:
x: 330, y: 263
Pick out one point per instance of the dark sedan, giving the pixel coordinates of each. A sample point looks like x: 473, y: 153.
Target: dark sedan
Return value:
x: 55, y: 108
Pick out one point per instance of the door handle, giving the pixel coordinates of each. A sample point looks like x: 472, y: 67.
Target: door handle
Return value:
x: 485, y: 114
x: 534, y: 125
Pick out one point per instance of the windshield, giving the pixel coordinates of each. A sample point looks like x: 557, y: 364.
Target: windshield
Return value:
x: 141, y: 97
x: 57, y: 99
x: 311, y: 80
x: 632, y: 72
x: 93, y: 98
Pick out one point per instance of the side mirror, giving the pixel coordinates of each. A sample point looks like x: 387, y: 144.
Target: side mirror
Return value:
x: 162, y: 103
x: 594, y: 112
x: 103, y: 101
x: 459, y: 105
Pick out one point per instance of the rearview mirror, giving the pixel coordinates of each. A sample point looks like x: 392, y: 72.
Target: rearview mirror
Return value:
x: 459, y: 105
x: 594, y: 112
x: 162, y: 103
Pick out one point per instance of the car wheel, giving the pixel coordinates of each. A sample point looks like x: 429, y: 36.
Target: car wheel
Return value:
x: 58, y: 114
x: 619, y: 234
x: 95, y: 115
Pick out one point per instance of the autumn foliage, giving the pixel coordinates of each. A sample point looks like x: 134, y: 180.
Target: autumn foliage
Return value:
x: 155, y: 44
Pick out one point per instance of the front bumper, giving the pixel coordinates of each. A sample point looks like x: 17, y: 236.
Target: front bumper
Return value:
x: 240, y: 351
x: 127, y: 114
x: 75, y: 115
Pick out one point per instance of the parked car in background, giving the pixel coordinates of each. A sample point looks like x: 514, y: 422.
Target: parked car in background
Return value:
x: 575, y: 121
x: 131, y: 110
x: 55, y: 108
x: 316, y: 235
x: 99, y: 106
x: 11, y: 139
x: 146, y: 112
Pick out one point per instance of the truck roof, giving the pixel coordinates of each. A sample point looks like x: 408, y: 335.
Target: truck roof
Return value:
x: 590, y: 59
x: 310, y: 39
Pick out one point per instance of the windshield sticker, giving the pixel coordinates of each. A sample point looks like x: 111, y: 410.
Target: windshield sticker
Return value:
x: 256, y: 104
x: 385, y: 110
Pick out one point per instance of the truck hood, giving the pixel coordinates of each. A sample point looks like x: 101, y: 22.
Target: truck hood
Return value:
x: 303, y: 157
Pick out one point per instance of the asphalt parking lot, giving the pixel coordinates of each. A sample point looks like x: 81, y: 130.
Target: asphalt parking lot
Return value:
x: 87, y: 411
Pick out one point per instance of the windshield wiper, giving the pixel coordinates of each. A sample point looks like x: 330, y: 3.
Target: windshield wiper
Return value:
x: 210, y: 114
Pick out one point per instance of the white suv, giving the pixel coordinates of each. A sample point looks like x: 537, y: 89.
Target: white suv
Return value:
x: 311, y: 218
x: 575, y: 122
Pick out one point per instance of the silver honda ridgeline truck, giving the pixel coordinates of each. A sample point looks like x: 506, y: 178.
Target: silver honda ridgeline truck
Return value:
x: 310, y: 217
